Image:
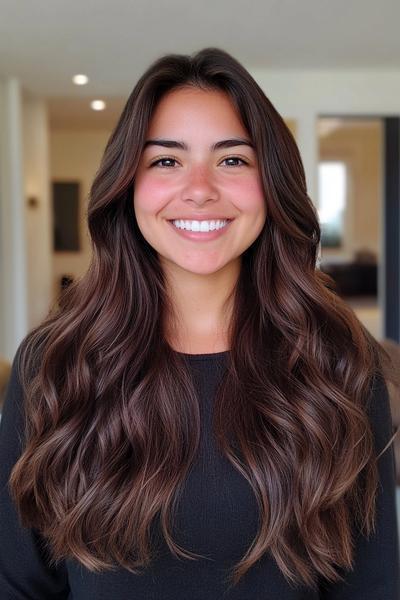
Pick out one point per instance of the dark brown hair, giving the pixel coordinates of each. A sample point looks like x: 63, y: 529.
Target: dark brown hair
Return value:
x: 112, y: 416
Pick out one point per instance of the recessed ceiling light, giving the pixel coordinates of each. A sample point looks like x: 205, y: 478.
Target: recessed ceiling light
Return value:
x: 80, y: 79
x: 98, y: 104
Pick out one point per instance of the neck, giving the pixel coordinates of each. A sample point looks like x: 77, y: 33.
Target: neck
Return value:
x: 202, y: 307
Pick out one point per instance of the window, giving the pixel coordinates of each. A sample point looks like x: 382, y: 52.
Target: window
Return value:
x: 332, y: 190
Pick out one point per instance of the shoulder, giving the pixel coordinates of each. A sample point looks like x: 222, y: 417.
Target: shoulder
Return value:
x: 379, y: 411
x: 12, y: 422
x: 12, y: 414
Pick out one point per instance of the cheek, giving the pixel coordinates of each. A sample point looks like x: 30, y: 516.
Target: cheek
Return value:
x: 152, y: 194
x: 250, y: 195
x: 149, y: 195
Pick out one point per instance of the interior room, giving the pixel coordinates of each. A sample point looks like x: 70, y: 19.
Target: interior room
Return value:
x: 331, y: 71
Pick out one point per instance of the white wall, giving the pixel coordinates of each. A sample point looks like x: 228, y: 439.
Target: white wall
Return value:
x: 39, y: 216
x: 13, y: 286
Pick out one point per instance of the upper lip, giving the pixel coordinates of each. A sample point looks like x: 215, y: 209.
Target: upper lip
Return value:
x: 201, y: 218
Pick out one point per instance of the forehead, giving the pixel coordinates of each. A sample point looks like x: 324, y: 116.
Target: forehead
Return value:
x: 195, y: 110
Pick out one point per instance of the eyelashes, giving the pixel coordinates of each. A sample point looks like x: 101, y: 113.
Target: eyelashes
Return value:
x: 159, y: 160
x: 171, y: 159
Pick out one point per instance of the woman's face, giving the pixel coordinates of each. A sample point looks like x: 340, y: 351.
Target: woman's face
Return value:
x: 188, y: 179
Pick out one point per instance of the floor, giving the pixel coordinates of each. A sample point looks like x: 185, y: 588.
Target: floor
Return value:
x: 369, y: 313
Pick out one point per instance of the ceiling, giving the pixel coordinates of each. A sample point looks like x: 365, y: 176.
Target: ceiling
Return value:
x: 76, y: 114
x: 44, y: 43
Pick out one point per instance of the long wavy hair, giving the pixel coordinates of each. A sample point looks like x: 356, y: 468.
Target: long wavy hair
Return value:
x: 112, y: 419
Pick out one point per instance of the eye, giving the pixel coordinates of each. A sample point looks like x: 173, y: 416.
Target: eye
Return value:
x: 236, y: 158
x: 164, y: 158
x: 174, y: 160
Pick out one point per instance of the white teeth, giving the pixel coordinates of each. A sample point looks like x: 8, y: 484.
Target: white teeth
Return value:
x: 200, y: 225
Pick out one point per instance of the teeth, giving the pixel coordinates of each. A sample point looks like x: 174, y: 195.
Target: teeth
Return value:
x: 200, y: 225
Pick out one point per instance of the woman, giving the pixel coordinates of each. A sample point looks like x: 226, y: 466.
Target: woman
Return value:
x: 204, y: 416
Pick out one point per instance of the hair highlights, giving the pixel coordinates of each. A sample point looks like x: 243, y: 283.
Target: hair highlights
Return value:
x: 112, y: 417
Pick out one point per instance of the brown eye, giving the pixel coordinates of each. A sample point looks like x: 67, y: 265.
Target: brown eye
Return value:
x: 168, y: 159
x: 235, y: 158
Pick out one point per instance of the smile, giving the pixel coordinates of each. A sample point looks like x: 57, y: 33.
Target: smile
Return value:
x: 200, y: 225
x: 200, y: 230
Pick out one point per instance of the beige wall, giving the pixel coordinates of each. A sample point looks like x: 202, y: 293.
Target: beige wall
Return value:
x: 75, y: 156
x: 291, y: 123
x: 359, y: 145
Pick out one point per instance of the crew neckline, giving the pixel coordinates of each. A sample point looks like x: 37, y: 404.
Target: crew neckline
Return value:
x: 208, y: 356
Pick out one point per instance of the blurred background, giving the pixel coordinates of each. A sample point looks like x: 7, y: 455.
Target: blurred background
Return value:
x: 66, y: 69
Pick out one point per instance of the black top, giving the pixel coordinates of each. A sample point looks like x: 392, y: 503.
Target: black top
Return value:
x: 217, y: 518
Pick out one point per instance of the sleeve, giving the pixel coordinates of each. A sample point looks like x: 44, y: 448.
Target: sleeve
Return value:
x: 24, y: 571
x: 375, y: 575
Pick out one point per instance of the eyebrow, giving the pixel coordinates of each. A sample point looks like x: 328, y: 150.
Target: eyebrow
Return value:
x: 230, y: 143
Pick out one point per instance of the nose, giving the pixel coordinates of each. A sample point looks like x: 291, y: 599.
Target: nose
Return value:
x: 200, y: 185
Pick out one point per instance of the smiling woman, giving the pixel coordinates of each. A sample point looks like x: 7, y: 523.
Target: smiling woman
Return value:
x: 201, y: 415
x: 214, y: 199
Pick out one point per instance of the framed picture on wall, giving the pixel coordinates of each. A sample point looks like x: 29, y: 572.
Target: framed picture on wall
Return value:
x: 66, y: 212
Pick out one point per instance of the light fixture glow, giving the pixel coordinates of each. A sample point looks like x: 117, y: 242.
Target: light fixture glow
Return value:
x: 98, y: 104
x: 80, y: 79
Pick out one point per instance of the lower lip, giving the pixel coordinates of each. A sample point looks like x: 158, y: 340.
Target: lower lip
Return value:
x: 201, y: 236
